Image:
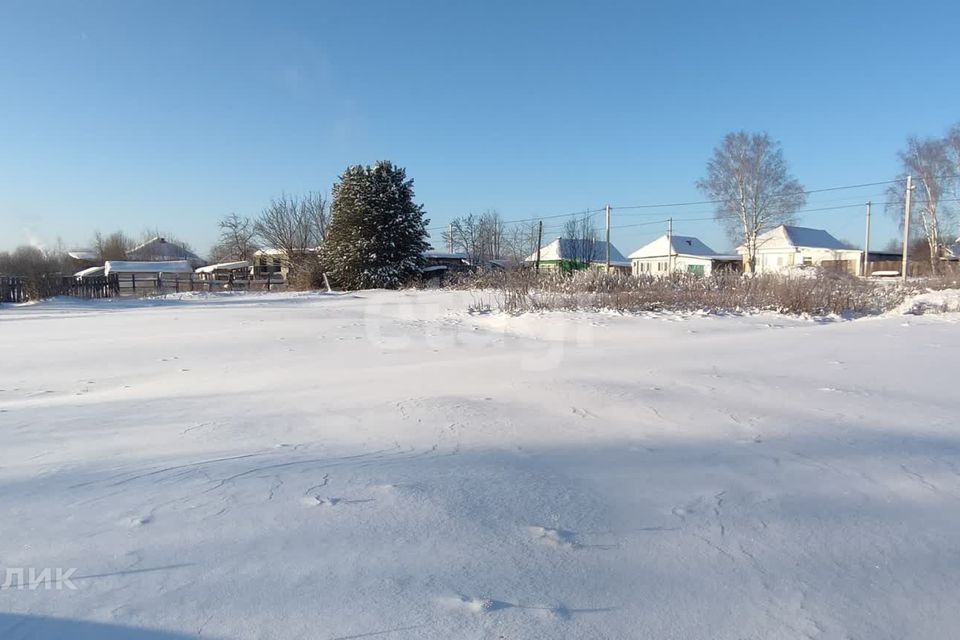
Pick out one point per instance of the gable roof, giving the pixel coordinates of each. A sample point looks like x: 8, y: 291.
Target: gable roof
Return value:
x: 787, y: 236
x: 581, y: 250
x: 681, y: 246
x: 83, y: 254
x: 160, y: 250
x: 437, y: 254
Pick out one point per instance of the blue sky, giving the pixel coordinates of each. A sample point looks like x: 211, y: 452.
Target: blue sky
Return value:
x: 136, y: 115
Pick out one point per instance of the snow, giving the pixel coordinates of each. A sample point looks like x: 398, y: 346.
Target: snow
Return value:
x: 90, y: 271
x: 787, y: 236
x: 579, y: 249
x: 444, y: 255
x: 932, y: 302
x: 681, y: 245
x: 224, y: 266
x: 160, y: 250
x: 83, y: 254
x: 169, y: 266
x: 384, y: 464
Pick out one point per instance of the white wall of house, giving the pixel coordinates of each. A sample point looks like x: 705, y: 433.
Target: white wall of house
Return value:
x: 659, y: 265
x: 775, y: 260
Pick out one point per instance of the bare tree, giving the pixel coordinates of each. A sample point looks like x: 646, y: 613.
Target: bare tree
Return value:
x: 293, y: 225
x: 41, y: 268
x: 520, y: 242
x: 480, y: 238
x: 236, y: 239
x: 583, y: 245
x: 927, y: 160
x: 748, y: 179
x: 112, y: 247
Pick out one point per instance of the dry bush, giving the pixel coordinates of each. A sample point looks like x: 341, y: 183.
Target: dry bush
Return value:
x: 816, y: 293
x: 41, y: 270
x: 306, y: 274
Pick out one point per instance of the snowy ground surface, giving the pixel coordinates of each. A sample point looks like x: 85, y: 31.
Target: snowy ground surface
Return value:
x: 384, y: 465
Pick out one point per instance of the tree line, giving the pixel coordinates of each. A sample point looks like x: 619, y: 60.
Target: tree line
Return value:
x: 372, y: 233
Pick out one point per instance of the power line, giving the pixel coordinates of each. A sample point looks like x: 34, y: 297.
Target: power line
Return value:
x: 782, y: 195
x: 590, y: 213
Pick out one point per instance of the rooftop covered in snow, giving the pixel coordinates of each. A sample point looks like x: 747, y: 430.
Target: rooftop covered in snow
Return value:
x: 787, y: 237
x: 129, y: 266
x: 579, y: 250
x: 224, y: 266
x: 678, y: 246
x: 159, y: 249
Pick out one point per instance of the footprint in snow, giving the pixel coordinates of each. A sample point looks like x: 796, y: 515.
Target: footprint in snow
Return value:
x: 139, y: 521
x: 476, y: 605
x: 317, y: 501
x: 557, y: 538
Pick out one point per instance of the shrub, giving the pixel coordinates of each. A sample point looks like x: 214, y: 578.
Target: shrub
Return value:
x: 815, y: 293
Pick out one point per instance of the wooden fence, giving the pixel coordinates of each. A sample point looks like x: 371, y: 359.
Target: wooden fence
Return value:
x: 13, y: 289
x: 19, y: 289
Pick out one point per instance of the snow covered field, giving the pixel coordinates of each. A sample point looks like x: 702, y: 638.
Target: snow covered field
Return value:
x: 384, y: 465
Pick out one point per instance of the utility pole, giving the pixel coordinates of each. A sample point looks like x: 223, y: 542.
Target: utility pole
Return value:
x: 906, y: 229
x: 607, y: 209
x: 866, y: 244
x: 539, y: 242
x: 450, y: 238
x: 670, y: 247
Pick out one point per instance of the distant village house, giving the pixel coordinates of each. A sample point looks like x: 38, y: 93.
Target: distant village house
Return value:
x: 570, y: 254
x: 680, y: 254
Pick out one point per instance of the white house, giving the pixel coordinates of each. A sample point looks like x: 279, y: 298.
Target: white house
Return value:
x: 567, y: 254
x: 685, y: 254
x: 787, y: 246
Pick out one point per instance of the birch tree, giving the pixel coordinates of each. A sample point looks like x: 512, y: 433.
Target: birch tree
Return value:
x: 927, y: 160
x: 753, y: 191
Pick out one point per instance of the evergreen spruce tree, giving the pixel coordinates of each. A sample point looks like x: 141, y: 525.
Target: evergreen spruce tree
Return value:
x: 377, y: 234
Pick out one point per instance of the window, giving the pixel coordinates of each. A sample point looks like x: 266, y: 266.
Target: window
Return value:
x: 696, y: 269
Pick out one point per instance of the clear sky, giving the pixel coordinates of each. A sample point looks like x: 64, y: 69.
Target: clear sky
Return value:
x: 169, y: 114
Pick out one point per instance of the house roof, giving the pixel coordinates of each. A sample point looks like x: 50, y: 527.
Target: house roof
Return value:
x: 269, y: 251
x: 224, y: 266
x: 83, y: 254
x: 581, y: 250
x: 166, y: 266
x: 952, y: 252
x: 160, y: 250
x: 444, y: 255
x: 90, y: 271
x: 790, y: 237
x: 681, y: 246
